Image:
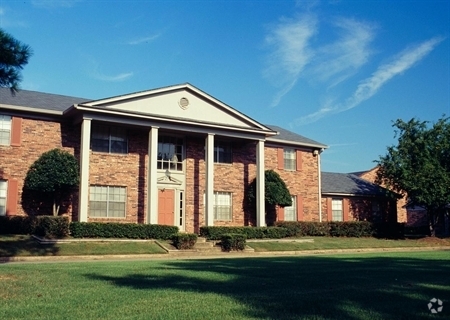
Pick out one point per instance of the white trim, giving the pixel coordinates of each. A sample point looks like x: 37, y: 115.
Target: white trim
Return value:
x: 152, y: 188
x: 260, y: 185
x: 84, y: 170
x: 209, y: 194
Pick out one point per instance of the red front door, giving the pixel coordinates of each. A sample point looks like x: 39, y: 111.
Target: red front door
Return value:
x: 166, y: 206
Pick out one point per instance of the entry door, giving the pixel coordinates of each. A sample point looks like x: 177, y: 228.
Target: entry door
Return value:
x: 166, y: 208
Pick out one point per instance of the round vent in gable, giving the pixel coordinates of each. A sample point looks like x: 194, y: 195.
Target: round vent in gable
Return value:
x: 183, y: 103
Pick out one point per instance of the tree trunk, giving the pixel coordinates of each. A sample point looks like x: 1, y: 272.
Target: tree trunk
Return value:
x: 55, y: 208
x: 432, y: 222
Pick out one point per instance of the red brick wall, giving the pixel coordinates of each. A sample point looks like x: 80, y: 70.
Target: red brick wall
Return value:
x: 303, y: 183
x: 401, y: 203
x: 37, y: 137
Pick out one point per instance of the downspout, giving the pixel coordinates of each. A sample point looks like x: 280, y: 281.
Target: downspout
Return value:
x: 320, y: 184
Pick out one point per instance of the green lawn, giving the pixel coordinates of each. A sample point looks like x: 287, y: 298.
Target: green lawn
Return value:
x: 21, y: 245
x: 323, y: 243
x: 363, y: 286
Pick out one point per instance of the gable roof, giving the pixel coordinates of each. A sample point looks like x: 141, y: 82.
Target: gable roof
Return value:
x: 286, y: 136
x: 37, y: 101
x: 350, y: 184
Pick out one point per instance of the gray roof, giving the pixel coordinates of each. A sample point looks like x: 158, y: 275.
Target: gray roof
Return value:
x: 289, y: 136
x: 350, y: 184
x: 38, y: 100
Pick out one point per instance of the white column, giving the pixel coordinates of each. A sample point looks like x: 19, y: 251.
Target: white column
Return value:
x: 260, y: 186
x: 83, y: 200
x: 152, y: 187
x: 209, y: 193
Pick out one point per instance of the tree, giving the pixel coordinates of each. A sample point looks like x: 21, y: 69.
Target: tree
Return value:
x: 276, y: 193
x: 55, y: 174
x: 13, y: 56
x: 420, y: 166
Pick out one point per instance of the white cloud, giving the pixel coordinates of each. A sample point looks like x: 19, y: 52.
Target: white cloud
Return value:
x: 115, y: 78
x: 291, y: 52
x: 370, y: 86
x: 345, y: 56
x: 144, y: 39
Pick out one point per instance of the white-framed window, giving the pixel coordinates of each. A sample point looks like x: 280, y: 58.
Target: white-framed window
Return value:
x: 170, y: 153
x: 337, y: 213
x: 289, y: 157
x: 222, y: 206
x: 107, y: 201
x: 109, y: 139
x: 290, y: 213
x: 5, y: 130
x: 3, y: 193
x: 223, y: 152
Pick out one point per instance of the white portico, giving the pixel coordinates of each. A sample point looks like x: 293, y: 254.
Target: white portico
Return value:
x: 167, y: 116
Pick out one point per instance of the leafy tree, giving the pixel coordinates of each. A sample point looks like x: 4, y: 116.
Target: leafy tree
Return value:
x: 276, y: 193
x: 13, y: 56
x: 55, y: 174
x: 420, y: 166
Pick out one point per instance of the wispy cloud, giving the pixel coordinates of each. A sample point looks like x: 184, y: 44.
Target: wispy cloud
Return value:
x: 144, y: 40
x: 96, y: 74
x: 347, y: 54
x: 55, y: 3
x: 370, y: 86
x: 291, y: 52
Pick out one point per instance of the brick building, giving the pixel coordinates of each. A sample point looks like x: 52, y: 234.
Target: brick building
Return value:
x: 173, y: 155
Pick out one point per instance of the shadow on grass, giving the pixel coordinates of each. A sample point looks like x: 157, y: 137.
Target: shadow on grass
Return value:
x: 17, y: 245
x: 340, y: 287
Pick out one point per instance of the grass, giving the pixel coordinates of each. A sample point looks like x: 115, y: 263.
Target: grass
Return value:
x: 363, y: 286
x: 21, y: 245
x: 323, y: 243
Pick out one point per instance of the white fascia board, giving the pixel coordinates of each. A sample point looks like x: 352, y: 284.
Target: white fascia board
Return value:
x: 343, y: 195
x: 273, y: 141
x: 175, y: 124
x: 28, y: 109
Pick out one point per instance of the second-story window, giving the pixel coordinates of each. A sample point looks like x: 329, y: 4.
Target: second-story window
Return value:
x: 222, y: 152
x: 170, y: 153
x: 109, y: 139
x: 5, y: 130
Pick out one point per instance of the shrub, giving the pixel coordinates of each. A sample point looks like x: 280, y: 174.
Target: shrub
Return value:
x: 184, y: 241
x: 232, y: 241
x: 17, y: 224
x: 121, y: 230
x: 351, y: 229
x: 216, y: 233
x: 52, y: 227
x: 293, y: 228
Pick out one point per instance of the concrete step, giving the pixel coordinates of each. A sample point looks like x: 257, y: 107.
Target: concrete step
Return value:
x: 201, y: 240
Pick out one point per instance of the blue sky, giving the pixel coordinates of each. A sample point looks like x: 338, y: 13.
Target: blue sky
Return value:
x: 338, y: 72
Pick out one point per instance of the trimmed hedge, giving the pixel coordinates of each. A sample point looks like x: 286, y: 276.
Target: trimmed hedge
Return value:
x: 122, y: 230
x: 216, y: 233
x: 232, y: 241
x: 184, y: 241
x: 43, y: 226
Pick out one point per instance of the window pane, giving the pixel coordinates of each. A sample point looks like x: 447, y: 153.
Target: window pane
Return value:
x: 336, y: 207
x: 290, y: 212
x: 289, y: 159
x: 222, y: 152
x: 222, y: 206
x: 107, y: 201
x: 170, y: 153
x: 5, y: 129
x: 3, y: 186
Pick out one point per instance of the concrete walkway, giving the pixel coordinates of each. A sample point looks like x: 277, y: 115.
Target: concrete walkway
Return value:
x: 190, y: 255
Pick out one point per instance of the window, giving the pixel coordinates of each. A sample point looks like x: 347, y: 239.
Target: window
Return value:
x: 289, y: 159
x: 109, y: 139
x: 5, y: 130
x: 336, y: 207
x: 290, y: 213
x: 222, y: 206
x: 222, y: 152
x: 3, y: 189
x: 170, y: 153
x: 107, y: 201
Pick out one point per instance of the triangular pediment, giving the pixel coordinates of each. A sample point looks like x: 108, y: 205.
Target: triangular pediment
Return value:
x: 182, y: 102
x: 166, y: 179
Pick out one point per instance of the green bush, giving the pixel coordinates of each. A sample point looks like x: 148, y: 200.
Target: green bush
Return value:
x: 52, y: 227
x: 232, y: 241
x: 17, y: 224
x: 216, y: 232
x: 293, y: 228
x: 121, y: 230
x: 355, y: 229
x: 184, y: 241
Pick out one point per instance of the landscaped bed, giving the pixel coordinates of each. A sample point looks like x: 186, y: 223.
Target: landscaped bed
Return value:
x: 363, y: 286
